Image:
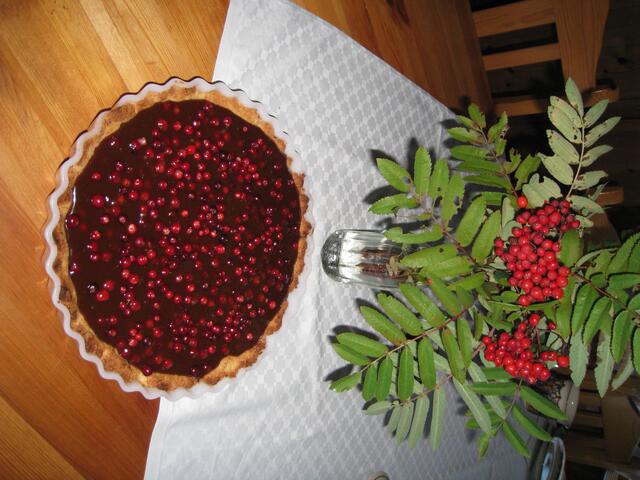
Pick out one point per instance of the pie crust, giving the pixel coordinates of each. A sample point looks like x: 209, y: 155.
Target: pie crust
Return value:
x: 108, y: 354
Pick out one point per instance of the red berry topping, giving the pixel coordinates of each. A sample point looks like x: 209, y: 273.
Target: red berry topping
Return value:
x: 188, y: 239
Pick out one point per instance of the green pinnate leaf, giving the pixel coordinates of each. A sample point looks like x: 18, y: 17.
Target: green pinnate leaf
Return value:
x: 466, y: 121
x: 426, y: 364
x: 451, y: 267
x: 529, y: 425
x: 578, y: 357
x: 483, y: 444
x: 446, y: 297
x: 429, y: 256
x: 621, y: 334
x: 370, y: 383
x: 478, y: 166
x: 361, y: 344
x: 465, y: 340
x: 595, y: 112
x: 394, y: 419
x: 596, y: 152
x: 397, y: 176
x: 420, y: 413
x: 456, y: 361
x: 635, y: 350
x: 484, y: 242
x: 471, y: 222
x: 527, y: 168
x: 392, y: 203
x: 621, y: 281
x: 488, y: 181
x: 634, y: 259
x: 422, y: 170
x: 495, y: 402
x: 598, y: 313
x: 349, y: 354
x: 477, y: 116
x: 563, y: 149
x: 500, y: 144
x: 472, y: 282
x: 378, y: 408
x: 558, y: 168
x: 493, y: 198
x: 423, y: 304
x: 604, y: 365
x: 537, y: 192
x: 498, y: 128
x: 514, y: 161
x: 570, y: 248
x: 405, y: 374
x: 541, y: 404
x: 437, y: 418
x: 469, y: 152
x: 452, y: 200
x: 621, y: 258
x: 515, y: 439
x: 385, y: 373
x: 465, y: 298
x: 597, y: 132
x: 565, y: 119
x: 478, y: 410
x: 585, y: 205
x: 624, y: 372
x: 404, y: 422
x: 400, y: 314
x: 496, y: 374
x: 563, y: 312
x: 416, y: 238
x: 439, y: 179
x: 345, y: 383
x: 574, y: 96
x: 382, y: 325
x: 585, y: 299
x: 493, y: 388
x: 464, y: 135
x: 589, y: 179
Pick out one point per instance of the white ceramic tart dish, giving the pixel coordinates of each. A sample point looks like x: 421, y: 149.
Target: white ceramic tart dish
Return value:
x: 177, y: 237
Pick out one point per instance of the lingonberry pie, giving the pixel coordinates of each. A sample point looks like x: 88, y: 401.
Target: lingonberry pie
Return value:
x: 181, y: 234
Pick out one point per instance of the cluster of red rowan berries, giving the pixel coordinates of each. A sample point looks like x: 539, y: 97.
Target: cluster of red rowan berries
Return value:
x: 519, y: 353
x: 530, y: 254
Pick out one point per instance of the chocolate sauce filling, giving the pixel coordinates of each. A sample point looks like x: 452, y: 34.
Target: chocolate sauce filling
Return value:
x: 183, y: 234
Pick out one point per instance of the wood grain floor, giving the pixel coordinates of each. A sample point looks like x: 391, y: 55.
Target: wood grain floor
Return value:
x: 61, y: 61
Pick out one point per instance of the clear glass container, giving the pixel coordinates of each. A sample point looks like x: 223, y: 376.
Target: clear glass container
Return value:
x: 363, y: 257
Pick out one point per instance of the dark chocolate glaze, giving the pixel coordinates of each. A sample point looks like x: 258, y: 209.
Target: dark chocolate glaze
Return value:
x: 183, y: 235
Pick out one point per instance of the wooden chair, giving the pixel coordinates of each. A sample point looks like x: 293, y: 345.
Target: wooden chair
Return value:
x: 580, y: 27
x: 605, y: 430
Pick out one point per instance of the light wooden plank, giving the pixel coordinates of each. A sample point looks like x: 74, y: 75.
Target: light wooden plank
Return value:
x: 24, y: 453
x: 514, y: 16
x: 580, y: 25
x: 521, y: 56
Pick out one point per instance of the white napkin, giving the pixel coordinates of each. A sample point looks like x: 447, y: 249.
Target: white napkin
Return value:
x: 339, y: 104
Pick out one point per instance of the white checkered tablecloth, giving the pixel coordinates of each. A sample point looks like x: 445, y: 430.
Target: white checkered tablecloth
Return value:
x: 340, y: 104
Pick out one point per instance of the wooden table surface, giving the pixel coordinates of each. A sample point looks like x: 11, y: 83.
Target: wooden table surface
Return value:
x: 61, y: 61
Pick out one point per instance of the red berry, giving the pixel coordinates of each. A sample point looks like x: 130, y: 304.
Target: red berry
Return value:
x: 551, y: 325
x: 522, y: 201
x: 563, y: 361
x: 534, y: 319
